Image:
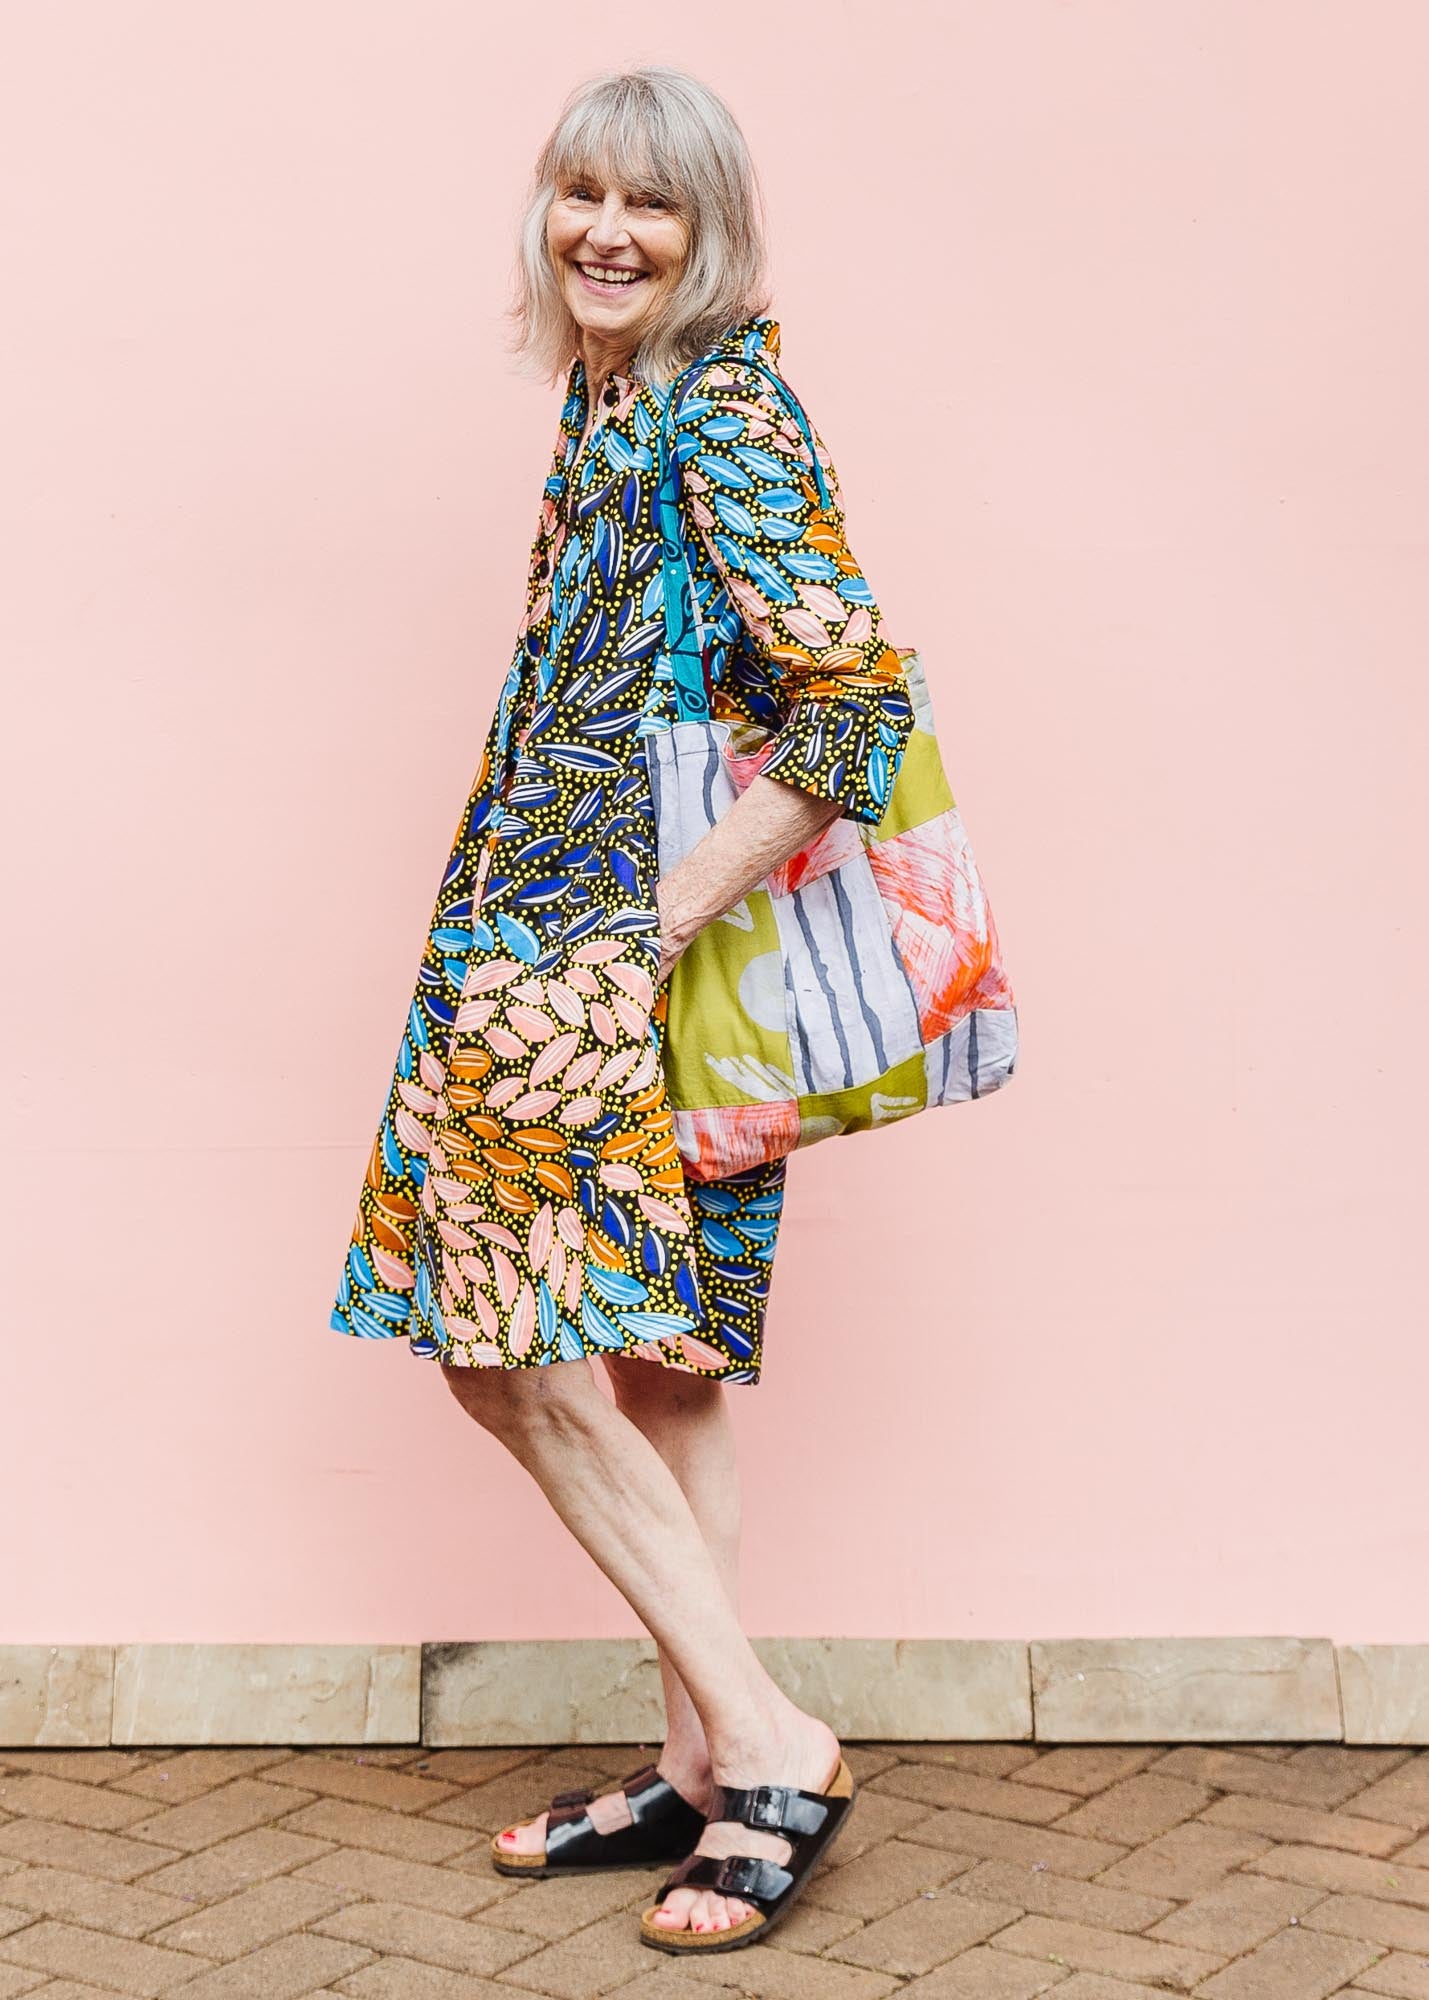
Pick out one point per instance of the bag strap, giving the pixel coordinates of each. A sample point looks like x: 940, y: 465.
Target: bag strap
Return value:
x: 682, y: 637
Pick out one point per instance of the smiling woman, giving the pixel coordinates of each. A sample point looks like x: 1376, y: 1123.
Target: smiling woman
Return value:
x: 526, y: 1208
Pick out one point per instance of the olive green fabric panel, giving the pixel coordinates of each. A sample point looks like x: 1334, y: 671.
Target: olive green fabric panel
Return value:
x: 727, y: 1033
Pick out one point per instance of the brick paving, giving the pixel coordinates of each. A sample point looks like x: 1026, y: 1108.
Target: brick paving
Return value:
x: 979, y: 1871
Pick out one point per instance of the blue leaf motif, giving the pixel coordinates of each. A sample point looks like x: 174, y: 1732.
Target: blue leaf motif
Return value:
x: 546, y: 889
x: 609, y: 552
x: 764, y: 463
x: 586, y: 807
x: 655, y: 1325
x: 764, y: 576
x: 591, y: 637
x: 616, y: 1287
x: 597, y: 1327
x: 724, y: 471
x: 580, y: 757
x: 388, y: 1305
x: 520, y: 940
x: 810, y: 565
x: 719, y: 1240
x: 369, y: 1327
x: 641, y: 640
x: 736, y: 518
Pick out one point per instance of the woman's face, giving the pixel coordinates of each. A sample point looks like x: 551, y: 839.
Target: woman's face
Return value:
x: 618, y: 253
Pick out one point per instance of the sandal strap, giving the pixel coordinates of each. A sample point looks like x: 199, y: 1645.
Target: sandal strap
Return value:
x: 753, y: 1878
x: 644, y: 1788
x: 662, y: 1820
x: 780, y: 1809
x: 577, y: 1798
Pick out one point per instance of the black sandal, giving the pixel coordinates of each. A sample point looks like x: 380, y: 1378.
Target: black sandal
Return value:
x: 809, y: 1821
x: 663, y: 1827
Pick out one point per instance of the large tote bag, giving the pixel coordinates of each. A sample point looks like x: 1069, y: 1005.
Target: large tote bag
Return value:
x: 862, y: 981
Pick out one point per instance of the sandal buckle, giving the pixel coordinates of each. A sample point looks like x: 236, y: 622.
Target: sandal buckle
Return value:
x: 766, y: 1806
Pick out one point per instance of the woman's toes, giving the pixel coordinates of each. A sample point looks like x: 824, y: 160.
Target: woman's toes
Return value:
x: 529, y: 1837
x: 720, y: 1913
x: 675, y: 1912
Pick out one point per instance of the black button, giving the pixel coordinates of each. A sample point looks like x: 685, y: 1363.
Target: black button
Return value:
x: 611, y: 395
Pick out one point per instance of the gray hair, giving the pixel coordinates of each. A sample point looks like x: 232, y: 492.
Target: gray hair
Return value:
x: 652, y: 128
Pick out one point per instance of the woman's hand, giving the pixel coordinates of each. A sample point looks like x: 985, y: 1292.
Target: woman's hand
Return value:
x: 769, y: 821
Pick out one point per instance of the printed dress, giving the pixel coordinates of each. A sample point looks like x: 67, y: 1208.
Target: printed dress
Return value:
x: 525, y: 1201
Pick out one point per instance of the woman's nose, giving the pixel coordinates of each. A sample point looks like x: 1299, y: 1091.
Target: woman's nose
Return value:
x: 609, y: 226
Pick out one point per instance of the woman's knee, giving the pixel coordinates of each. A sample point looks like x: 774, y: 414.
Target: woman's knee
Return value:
x: 644, y: 1385
x: 511, y: 1402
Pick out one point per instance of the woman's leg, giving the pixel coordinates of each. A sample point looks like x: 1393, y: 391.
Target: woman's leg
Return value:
x: 686, y: 1418
x: 622, y: 1502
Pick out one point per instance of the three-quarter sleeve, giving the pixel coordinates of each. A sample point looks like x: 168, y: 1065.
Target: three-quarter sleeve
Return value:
x: 751, y: 495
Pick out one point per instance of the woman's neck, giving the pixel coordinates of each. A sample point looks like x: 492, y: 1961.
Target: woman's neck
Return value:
x: 602, y: 359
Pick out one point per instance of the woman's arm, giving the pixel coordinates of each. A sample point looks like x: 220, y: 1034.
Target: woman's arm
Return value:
x: 767, y: 823
x: 751, y: 497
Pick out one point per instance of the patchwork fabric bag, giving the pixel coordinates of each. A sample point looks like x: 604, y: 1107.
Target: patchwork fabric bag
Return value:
x: 862, y: 981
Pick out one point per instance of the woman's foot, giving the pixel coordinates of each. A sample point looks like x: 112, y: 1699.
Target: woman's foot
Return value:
x: 610, y: 1811
x: 804, y: 1754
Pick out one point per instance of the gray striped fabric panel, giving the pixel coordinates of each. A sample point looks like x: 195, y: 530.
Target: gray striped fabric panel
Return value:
x: 976, y: 1055
x: 836, y: 940
x: 690, y: 784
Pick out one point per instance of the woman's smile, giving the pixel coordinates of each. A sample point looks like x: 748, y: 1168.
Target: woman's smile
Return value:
x: 609, y: 277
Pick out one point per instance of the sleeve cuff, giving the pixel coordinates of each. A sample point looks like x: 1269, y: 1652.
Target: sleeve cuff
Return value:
x: 847, y: 750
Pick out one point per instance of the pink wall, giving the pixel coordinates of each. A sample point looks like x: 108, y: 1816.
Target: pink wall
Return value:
x: 1114, y: 318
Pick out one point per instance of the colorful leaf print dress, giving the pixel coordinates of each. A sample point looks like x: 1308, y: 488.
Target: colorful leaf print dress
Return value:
x: 525, y: 1201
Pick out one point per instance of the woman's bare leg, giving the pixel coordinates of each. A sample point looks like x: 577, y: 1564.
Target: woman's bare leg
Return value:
x: 686, y: 1418
x: 615, y: 1492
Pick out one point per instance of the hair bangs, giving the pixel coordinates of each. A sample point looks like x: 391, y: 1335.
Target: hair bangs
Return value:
x: 614, y: 144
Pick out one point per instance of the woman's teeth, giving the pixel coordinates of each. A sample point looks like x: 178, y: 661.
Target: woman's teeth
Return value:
x: 611, y: 276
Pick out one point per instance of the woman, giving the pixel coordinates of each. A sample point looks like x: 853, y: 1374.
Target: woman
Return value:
x: 525, y: 1207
